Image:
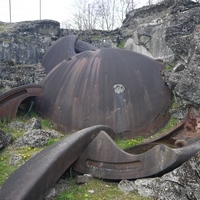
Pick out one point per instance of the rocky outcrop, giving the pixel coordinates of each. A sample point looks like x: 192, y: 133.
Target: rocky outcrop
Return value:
x: 98, y: 38
x: 181, y: 183
x: 170, y: 31
x: 26, y: 42
x: 12, y: 75
x: 185, y: 82
x: 165, y: 30
x: 23, y: 44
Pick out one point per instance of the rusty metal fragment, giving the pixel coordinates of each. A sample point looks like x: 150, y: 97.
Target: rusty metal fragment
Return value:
x: 103, y: 159
x: 10, y: 101
x: 62, y: 49
x: 36, y: 176
x: 81, y: 46
x: 92, y: 151
x: 118, y: 88
x: 184, y: 133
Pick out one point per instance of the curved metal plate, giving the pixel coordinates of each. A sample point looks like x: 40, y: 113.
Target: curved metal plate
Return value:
x: 62, y: 49
x: 81, y: 46
x: 103, y: 159
x: 10, y: 101
x: 33, y: 179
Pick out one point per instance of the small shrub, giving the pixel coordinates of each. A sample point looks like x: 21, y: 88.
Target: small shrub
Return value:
x: 121, y: 44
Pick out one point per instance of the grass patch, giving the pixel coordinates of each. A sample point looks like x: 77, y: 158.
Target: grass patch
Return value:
x: 171, y: 123
x: 95, y: 38
x: 6, y: 169
x: 168, y: 67
x: 24, y: 153
x: 96, y: 189
x: 46, y: 124
x: 123, y: 144
x: 52, y: 141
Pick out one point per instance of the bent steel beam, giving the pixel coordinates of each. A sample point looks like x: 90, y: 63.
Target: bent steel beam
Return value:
x: 33, y: 179
x: 104, y: 159
x: 10, y: 101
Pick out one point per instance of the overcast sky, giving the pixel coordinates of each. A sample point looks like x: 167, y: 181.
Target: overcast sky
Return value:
x: 25, y: 10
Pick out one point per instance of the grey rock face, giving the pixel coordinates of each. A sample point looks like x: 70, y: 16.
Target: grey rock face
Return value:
x: 185, y: 83
x: 98, y: 38
x: 164, y: 29
x: 169, y: 31
x: 182, y: 183
x: 26, y: 42
x: 12, y: 75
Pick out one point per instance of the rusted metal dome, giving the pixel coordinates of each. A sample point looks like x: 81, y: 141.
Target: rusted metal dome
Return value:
x: 64, y: 48
x: 114, y: 87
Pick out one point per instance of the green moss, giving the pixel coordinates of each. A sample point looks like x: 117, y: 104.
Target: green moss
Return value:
x: 46, y: 124
x: 121, y: 44
x: 95, y: 38
x: 171, y: 123
x: 168, y: 67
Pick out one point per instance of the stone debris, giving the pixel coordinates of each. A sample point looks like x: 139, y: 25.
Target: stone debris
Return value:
x: 181, y: 183
x: 15, y: 159
x: 83, y: 178
x: 5, y: 139
x: 36, y: 138
x: 34, y: 135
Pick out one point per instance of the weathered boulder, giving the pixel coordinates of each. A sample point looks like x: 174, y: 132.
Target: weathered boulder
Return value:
x: 34, y: 135
x: 181, y: 183
x: 15, y: 159
x: 31, y: 124
x: 5, y: 139
x: 36, y: 138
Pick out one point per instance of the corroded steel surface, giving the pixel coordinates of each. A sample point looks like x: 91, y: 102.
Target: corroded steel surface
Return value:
x: 118, y: 88
x: 81, y: 46
x: 62, y: 49
x: 178, y: 136
x: 33, y: 179
x: 10, y: 101
x: 103, y: 159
